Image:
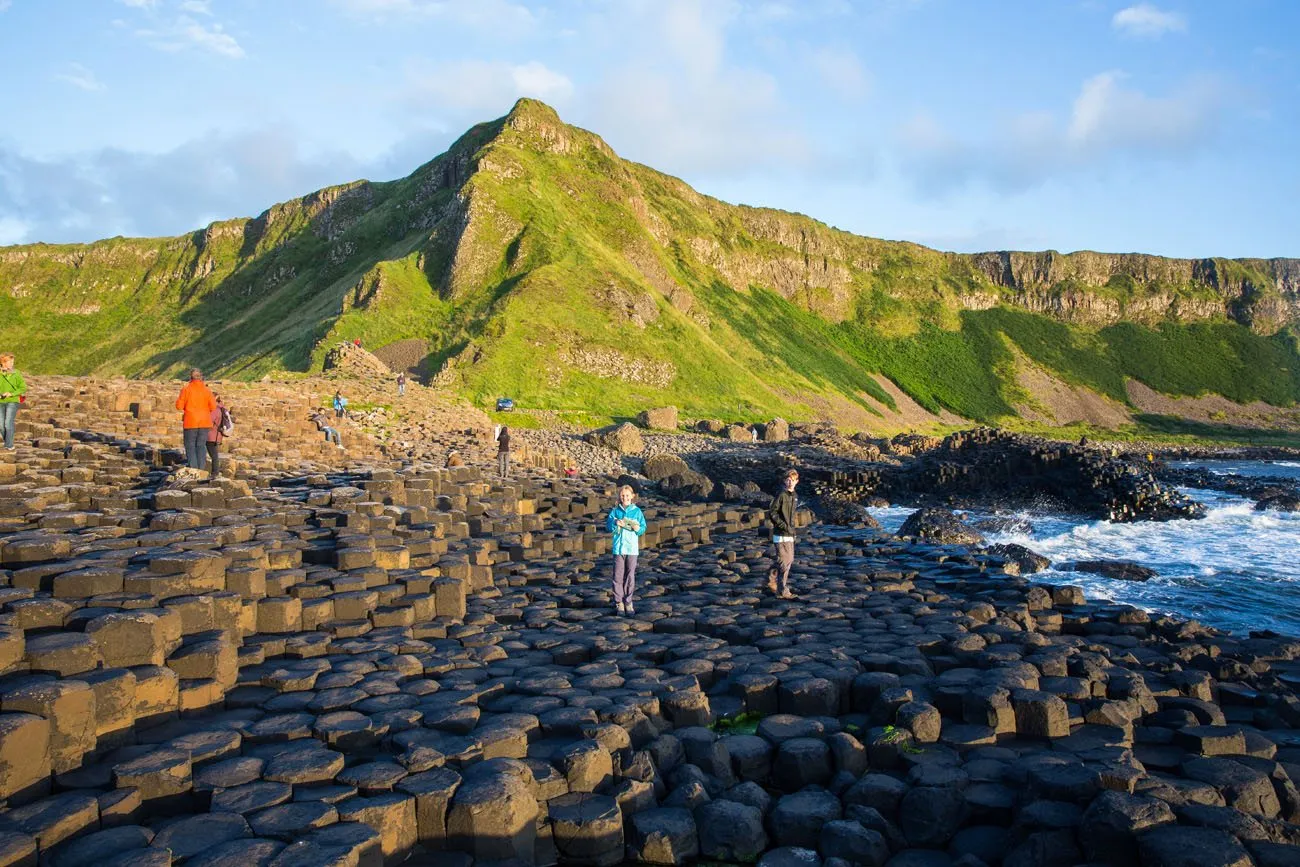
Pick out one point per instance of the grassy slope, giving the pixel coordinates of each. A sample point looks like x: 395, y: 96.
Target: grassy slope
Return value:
x: 558, y: 241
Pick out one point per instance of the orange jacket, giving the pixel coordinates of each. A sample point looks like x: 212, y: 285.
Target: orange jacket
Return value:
x: 197, y: 402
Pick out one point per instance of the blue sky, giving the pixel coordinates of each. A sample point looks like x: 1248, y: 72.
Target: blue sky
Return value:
x: 1169, y: 127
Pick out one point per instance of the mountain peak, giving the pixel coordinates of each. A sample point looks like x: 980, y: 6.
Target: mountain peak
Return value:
x: 533, y: 110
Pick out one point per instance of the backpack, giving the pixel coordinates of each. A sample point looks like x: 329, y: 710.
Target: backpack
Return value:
x: 227, y: 426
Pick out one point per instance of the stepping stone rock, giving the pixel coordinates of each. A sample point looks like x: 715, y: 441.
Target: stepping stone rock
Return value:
x: 587, y: 829
x: 797, y: 819
x: 663, y: 836
x: 1179, y: 846
x: 1113, y: 821
x: 729, y: 831
x: 196, y: 834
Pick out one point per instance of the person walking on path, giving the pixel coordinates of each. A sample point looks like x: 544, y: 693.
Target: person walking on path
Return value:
x: 627, y: 523
x: 781, y: 515
x: 13, y: 391
x: 401, y: 384
x: 503, y: 452
x: 222, y: 426
x: 340, y: 404
x: 196, y: 404
x: 323, y: 425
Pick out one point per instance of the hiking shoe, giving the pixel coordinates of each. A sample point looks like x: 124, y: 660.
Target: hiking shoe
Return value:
x: 787, y: 595
x: 620, y: 608
x: 771, y: 584
x: 630, y: 609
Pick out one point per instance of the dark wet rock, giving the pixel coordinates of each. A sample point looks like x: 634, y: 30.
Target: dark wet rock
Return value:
x: 1121, y: 570
x: 940, y: 526
x: 1281, y: 501
x: 930, y: 816
x: 1019, y: 559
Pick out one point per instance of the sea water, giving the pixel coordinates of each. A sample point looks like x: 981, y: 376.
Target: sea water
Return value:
x: 1237, y: 569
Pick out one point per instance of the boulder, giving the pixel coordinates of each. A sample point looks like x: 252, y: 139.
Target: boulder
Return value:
x: 689, y: 485
x: 941, y: 526
x: 710, y: 425
x: 739, y: 434
x: 662, y: 418
x: 624, y: 438
x: 776, y: 431
x: 659, y: 467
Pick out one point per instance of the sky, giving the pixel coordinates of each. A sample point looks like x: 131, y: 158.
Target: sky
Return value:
x: 1170, y: 127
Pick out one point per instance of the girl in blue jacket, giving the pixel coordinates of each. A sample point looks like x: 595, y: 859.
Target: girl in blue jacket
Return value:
x: 627, y: 524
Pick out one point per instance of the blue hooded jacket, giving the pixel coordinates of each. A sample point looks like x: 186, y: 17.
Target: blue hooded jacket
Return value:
x: 626, y: 541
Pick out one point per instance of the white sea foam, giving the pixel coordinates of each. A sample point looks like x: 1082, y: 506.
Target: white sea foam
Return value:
x: 1236, y: 568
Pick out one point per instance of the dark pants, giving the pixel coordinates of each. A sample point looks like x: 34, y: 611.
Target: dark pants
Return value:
x: 213, y: 449
x: 338, y: 413
x: 778, y: 579
x: 196, y: 441
x: 624, y: 578
x: 8, y: 418
x: 331, y: 436
x: 503, y: 463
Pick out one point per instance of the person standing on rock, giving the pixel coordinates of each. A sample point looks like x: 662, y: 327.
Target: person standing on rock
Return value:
x: 196, y: 404
x: 503, y: 451
x: 13, y: 391
x: 781, y: 515
x: 401, y: 384
x: 222, y: 426
x: 340, y: 404
x: 627, y: 523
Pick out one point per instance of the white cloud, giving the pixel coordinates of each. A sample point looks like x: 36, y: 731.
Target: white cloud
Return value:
x: 110, y: 191
x: 1147, y: 21
x: 81, y: 77
x: 140, y: 4
x: 1106, y: 120
x: 186, y: 32
x: 842, y: 71
x: 483, y: 88
x: 197, y: 7
x: 1106, y: 114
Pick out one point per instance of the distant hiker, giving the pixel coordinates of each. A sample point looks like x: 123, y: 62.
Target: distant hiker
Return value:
x: 401, y: 384
x: 223, y: 425
x: 340, y: 404
x: 570, y: 472
x: 196, y: 404
x: 503, y: 451
x: 627, y: 523
x: 13, y: 391
x: 781, y: 515
x: 323, y: 425
x: 357, y: 343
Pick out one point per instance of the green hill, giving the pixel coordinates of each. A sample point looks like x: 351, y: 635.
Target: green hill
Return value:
x: 536, y: 263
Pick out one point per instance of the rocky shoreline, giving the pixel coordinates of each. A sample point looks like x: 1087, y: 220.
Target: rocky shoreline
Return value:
x: 383, y: 661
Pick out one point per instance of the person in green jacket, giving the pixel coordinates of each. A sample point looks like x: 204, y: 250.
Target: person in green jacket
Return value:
x: 12, y: 389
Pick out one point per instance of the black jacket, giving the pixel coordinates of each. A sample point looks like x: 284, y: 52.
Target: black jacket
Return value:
x: 780, y: 514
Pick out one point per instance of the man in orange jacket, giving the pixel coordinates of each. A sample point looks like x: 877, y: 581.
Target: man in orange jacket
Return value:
x: 196, y: 403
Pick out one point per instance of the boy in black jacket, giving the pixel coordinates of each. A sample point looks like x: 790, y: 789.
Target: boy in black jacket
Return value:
x: 781, y: 515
